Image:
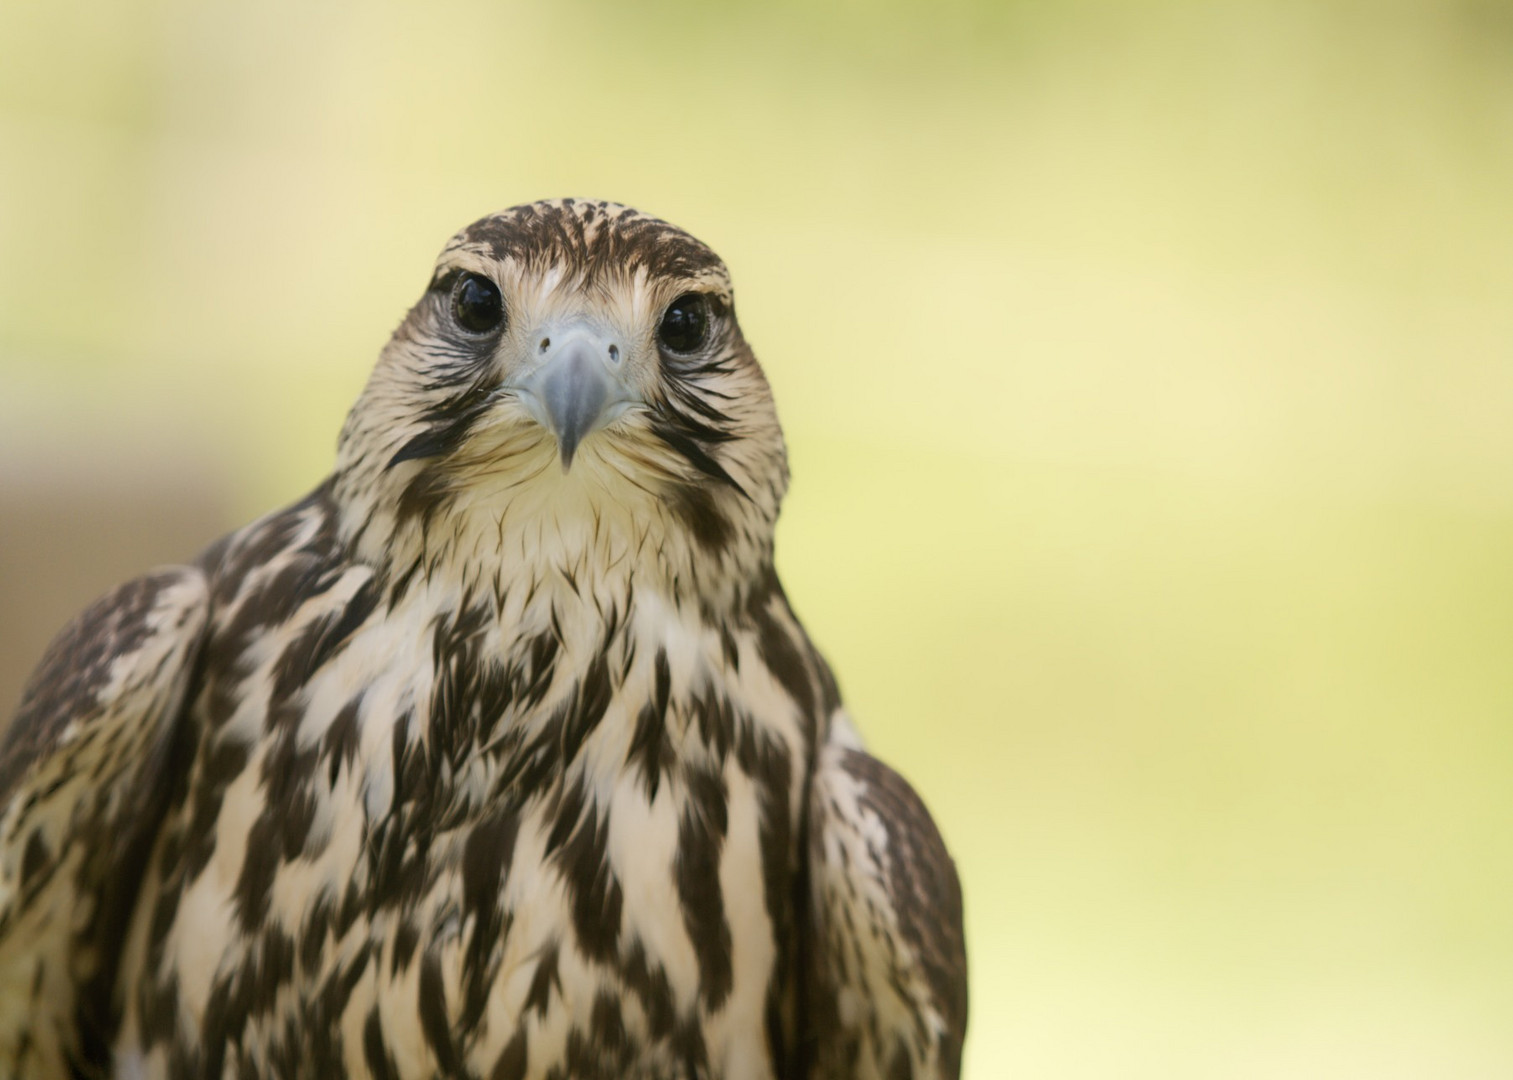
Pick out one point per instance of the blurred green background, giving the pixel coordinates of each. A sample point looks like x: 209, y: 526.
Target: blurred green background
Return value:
x: 1147, y: 370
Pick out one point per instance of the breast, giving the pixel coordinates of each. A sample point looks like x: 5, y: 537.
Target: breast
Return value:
x: 459, y: 842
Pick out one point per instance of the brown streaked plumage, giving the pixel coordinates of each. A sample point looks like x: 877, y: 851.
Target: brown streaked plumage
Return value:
x: 502, y: 754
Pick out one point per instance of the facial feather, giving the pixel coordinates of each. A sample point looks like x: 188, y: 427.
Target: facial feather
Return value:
x: 445, y: 468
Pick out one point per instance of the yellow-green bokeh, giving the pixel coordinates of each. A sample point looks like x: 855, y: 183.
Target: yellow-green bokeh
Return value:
x: 1147, y: 370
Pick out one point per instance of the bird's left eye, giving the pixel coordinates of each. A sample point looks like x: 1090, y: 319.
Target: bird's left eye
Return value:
x: 685, y: 323
x: 477, y: 305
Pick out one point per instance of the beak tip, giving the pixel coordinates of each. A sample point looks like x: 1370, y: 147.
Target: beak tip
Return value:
x: 574, y: 390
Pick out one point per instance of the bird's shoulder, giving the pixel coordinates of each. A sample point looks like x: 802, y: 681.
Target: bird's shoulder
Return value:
x: 887, y: 910
x: 128, y: 645
x: 85, y: 767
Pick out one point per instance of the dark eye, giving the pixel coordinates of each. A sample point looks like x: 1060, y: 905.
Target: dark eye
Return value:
x: 685, y: 323
x: 477, y: 305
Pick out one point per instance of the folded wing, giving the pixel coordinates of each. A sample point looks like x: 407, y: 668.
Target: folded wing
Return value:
x: 86, y: 768
x: 888, y: 980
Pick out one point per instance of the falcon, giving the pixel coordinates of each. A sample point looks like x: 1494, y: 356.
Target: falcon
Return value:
x: 501, y: 754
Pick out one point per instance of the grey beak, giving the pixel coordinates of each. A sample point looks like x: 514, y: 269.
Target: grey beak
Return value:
x: 578, y: 388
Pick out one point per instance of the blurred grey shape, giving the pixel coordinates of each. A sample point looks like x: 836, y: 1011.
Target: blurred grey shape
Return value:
x: 76, y: 519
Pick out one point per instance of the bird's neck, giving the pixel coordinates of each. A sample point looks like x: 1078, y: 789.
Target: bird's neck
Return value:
x: 557, y: 550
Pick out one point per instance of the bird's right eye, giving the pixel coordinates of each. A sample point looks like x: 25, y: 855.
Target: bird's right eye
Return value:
x: 476, y: 304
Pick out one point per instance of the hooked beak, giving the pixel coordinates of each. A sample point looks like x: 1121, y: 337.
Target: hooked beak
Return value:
x: 578, y: 386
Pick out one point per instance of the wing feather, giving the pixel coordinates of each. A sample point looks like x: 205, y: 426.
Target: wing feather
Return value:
x: 889, y: 965
x: 84, y: 778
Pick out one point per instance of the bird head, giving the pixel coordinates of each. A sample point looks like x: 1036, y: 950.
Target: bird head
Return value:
x: 574, y: 376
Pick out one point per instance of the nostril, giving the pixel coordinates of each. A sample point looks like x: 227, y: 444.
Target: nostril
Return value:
x: 546, y: 343
x: 614, y: 353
